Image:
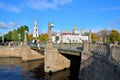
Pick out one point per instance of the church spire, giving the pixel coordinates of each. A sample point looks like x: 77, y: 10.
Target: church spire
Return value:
x: 35, y: 22
x: 35, y: 29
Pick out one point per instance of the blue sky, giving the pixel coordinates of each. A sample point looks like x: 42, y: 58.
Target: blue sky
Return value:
x: 87, y: 14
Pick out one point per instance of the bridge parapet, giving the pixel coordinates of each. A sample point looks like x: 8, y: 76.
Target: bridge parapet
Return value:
x: 115, y: 54
x: 98, y: 48
x: 75, y: 52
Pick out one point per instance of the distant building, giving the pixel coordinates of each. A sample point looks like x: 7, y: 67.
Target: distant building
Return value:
x: 35, y: 29
x: 70, y: 37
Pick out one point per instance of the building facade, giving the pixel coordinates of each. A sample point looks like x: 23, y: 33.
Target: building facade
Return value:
x: 70, y: 37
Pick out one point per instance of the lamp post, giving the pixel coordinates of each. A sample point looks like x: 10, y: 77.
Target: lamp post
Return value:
x: 49, y: 42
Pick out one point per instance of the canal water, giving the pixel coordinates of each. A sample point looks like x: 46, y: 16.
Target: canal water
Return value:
x: 15, y: 69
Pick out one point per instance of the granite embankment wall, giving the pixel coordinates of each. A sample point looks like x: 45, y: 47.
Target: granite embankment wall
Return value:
x: 25, y: 52
x: 97, y: 65
x: 8, y: 51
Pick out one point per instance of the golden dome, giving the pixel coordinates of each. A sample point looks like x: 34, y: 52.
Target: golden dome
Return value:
x: 74, y: 28
x: 66, y: 30
x: 82, y: 29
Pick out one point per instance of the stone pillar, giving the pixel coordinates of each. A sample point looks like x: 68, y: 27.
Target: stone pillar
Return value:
x: 116, y: 43
x: 53, y: 61
x: 86, y: 47
x: 3, y: 39
x: 49, y: 42
x: 25, y: 38
x: 61, y: 41
x: 89, y: 39
x: 101, y: 39
x: 25, y: 49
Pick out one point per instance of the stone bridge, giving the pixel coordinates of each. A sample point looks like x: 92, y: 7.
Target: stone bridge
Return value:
x: 87, y: 61
x: 91, y: 61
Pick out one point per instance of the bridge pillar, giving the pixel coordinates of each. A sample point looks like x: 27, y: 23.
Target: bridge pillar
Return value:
x: 85, y: 46
x: 53, y: 61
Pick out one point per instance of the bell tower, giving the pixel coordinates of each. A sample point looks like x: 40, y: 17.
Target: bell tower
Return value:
x: 35, y: 29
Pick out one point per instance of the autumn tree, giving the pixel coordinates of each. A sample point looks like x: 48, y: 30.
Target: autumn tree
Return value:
x: 94, y: 37
x: 43, y: 37
x: 30, y: 37
x: 114, y: 36
x: 104, y: 34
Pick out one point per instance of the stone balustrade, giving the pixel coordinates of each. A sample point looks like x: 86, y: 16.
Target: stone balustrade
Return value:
x: 115, y: 54
x: 98, y: 48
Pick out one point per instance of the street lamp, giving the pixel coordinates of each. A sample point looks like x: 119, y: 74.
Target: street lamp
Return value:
x: 49, y: 42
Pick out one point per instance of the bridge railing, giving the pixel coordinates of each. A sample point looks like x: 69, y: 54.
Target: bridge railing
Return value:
x: 68, y: 46
x: 100, y: 49
x: 115, y: 54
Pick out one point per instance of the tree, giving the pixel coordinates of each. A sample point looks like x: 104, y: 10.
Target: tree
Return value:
x: 43, y: 37
x: 30, y: 37
x: 114, y: 36
x: 15, y: 34
x: 94, y: 37
x: 8, y: 36
x: 21, y: 31
x: 104, y: 34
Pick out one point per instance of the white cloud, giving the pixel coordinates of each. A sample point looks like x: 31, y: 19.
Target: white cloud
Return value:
x: 33, y: 4
x: 1, y: 33
x: 3, y: 25
x: 45, y: 4
x: 61, y: 2
x: 55, y: 31
x: 13, y: 24
x: 9, y: 7
x: 111, y: 8
x: 8, y: 25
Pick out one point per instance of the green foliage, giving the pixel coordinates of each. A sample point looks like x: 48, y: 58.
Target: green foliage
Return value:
x: 13, y: 35
x: 9, y: 35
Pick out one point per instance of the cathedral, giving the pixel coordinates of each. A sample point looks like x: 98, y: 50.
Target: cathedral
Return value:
x: 71, y: 37
x: 65, y: 37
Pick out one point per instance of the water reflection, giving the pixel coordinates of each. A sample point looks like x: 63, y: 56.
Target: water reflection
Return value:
x: 15, y: 69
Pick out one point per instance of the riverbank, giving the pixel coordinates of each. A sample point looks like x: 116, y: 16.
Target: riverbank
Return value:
x: 24, y: 52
